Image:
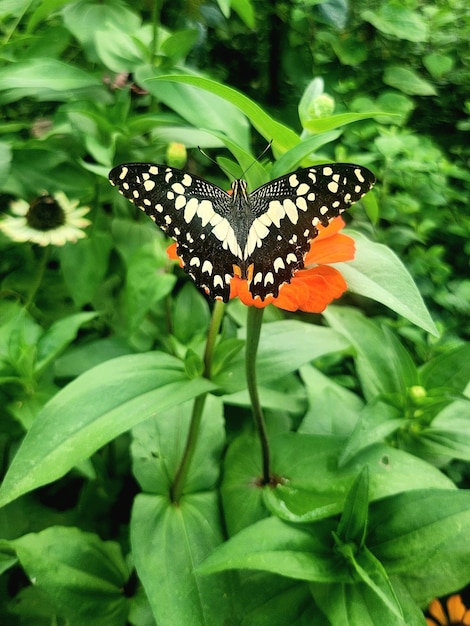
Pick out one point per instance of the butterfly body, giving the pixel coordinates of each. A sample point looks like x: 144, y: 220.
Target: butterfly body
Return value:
x: 262, y: 236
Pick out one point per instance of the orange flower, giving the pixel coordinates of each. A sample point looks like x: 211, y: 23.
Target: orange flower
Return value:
x: 457, y: 613
x: 311, y: 288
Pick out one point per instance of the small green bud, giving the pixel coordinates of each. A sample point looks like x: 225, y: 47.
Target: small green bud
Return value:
x: 176, y: 154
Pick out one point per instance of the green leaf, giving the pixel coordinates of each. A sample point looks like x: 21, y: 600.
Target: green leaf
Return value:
x: 5, y: 161
x: 410, y: 532
x: 84, y: 265
x: 191, y: 315
x: 82, y: 575
x: 245, y: 11
x: 383, y: 364
x: 438, y: 64
x: 58, y: 337
x: 332, y: 409
x: 46, y: 79
x: 283, y: 137
x: 324, y: 124
x: 284, y: 347
x: 353, y: 523
x: 271, y: 545
x: 315, y: 486
x: 168, y: 543
x: 450, y: 369
x: 146, y: 284
x: 377, y: 273
x: 403, y: 23
x: 208, y: 111
x: 293, y: 158
x: 159, y: 442
x: 408, y: 81
x: 94, y: 409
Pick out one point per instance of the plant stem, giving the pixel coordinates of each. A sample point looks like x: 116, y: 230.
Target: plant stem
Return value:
x: 39, y: 275
x: 176, y: 489
x: 253, y: 331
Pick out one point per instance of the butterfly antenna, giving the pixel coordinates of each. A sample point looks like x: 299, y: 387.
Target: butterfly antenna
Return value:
x: 226, y: 171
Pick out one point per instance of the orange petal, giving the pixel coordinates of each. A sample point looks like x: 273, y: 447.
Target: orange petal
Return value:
x: 333, y: 249
x: 311, y: 290
x: 333, y: 227
x: 172, y: 253
x: 435, y: 610
x: 455, y: 608
x: 239, y: 288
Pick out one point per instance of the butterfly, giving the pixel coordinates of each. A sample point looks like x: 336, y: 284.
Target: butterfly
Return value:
x: 262, y: 236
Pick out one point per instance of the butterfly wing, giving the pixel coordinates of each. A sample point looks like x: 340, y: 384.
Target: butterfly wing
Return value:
x: 286, y: 214
x: 193, y: 212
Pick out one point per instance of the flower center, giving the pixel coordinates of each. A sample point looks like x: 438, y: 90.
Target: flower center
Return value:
x: 45, y: 213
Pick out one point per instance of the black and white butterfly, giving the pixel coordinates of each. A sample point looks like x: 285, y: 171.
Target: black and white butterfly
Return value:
x: 262, y: 236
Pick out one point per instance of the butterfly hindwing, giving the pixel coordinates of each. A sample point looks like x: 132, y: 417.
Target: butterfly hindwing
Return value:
x: 262, y: 237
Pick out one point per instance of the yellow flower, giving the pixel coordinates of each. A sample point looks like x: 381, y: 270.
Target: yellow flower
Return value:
x: 48, y: 220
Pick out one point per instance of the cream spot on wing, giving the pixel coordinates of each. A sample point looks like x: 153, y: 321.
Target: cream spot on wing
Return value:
x: 327, y: 171
x: 177, y: 188
x: 180, y: 202
x: 333, y: 186
x: 359, y: 176
x: 190, y: 209
x: 276, y: 212
x: 153, y: 169
x: 207, y: 267
x: 278, y: 264
x: 124, y: 172
x: 291, y: 210
x: 302, y: 189
x: 205, y: 211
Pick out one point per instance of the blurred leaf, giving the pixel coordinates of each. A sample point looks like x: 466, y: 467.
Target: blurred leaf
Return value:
x: 208, y: 111
x: 408, y: 81
x: 324, y: 124
x: 46, y: 79
x: 438, y: 64
x: 403, y: 23
x: 282, y: 136
x: 450, y: 369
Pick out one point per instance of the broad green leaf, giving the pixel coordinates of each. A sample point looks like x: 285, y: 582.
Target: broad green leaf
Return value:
x: 159, y: 443
x: 284, y: 347
x: 315, y: 486
x: 377, y: 273
x: 408, y: 81
x: 283, y: 137
x: 411, y: 531
x: 82, y: 575
x: 398, y: 21
x: 95, y: 408
x: 449, y: 433
x: 205, y: 109
x: 375, y: 423
x: 191, y: 315
x: 383, y: 364
x: 293, y: 158
x: 274, y: 546
x: 46, y: 79
x: 168, y: 543
x: 332, y: 409
x: 324, y: 124
x: 355, y: 605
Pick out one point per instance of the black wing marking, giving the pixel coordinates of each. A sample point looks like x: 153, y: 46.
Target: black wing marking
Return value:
x: 263, y: 237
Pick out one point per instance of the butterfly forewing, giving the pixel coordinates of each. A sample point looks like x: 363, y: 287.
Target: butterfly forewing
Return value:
x: 263, y: 236
x: 287, y: 212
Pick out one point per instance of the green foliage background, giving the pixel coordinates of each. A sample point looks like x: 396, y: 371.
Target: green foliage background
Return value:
x: 102, y: 341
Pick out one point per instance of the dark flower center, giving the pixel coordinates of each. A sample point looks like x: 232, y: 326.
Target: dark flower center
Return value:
x: 45, y: 213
